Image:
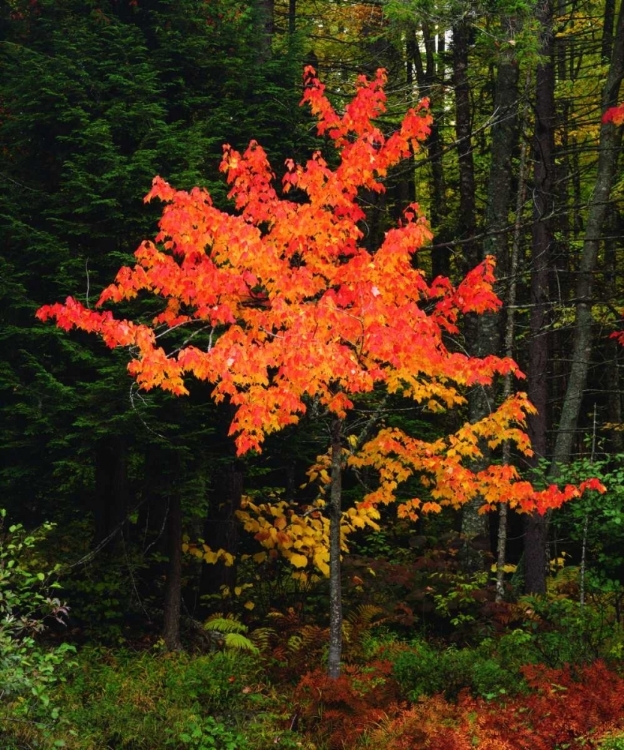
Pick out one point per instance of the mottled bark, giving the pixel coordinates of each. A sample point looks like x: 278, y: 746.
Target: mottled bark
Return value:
x: 512, y: 272
x: 173, y: 586
x: 428, y: 85
x: 335, y: 575
x: 474, y: 525
x: 463, y: 134
x: 265, y: 12
x: 536, y: 533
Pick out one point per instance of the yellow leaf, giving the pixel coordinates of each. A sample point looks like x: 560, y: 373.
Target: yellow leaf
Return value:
x: 249, y: 605
x: 280, y: 523
x: 299, y: 561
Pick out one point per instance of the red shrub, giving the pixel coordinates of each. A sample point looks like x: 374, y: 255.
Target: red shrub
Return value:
x: 565, y: 708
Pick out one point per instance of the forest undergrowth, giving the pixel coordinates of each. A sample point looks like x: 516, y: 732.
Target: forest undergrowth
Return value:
x: 430, y: 661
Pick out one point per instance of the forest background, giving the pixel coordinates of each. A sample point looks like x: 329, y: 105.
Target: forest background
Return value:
x: 105, y: 486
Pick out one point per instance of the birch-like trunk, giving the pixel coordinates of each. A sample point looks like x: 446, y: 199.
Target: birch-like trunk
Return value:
x: 335, y: 577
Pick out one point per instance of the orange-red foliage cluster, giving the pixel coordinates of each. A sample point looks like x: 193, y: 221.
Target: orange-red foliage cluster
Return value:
x: 564, y: 708
x: 614, y: 115
x: 283, y: 304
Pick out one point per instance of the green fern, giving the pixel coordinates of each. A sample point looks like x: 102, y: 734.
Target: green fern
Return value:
x: 225, y: 624
x: 232, y: 633
x: 239, y: 642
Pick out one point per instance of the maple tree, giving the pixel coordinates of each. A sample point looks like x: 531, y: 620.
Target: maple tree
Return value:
x: 284, y: 306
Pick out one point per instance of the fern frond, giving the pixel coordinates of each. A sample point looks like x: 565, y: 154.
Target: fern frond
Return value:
x: 363, y: 616
x: 262, y: 637
x: 239, y: 642
x: 225, y: 625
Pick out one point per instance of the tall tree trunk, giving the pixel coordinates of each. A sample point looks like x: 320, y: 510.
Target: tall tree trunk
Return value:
x: 111, y: 490
x: 428, y: 85
x: 292, y: 16
x: 608, y: 152
x: 512, y: 275
x: 535, y: 531
x: 265, y: 10
x: 335, y: 575
x: 474, y: 524
x: 463, y: 133
x: 173, y: 586
x: 221, y: 525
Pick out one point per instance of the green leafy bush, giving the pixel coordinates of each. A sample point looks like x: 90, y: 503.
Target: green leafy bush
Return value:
x: 562, y: 631
x: 209, y: 734
x: 423, y: 670
x: 28, y: 671
x: 155, y: 700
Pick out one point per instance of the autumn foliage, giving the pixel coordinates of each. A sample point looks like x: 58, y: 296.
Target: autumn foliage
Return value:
x: 614, y: 115
x: 563, y: 708
x: 280, y: 304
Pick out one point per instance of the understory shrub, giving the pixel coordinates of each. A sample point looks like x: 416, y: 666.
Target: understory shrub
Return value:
x: 337, y: 712
x: 29, y: 671
x: 154, y: 700
x: 562, y: 708
x: 423, y: 670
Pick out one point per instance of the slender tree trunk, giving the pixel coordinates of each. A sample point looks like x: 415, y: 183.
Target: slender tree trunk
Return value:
x: 111, y: 490
x: 535, y: 530
x: 463, y: 133
x: 429, y: 84
x: 335, y: 579
x: 292, y: 16
x: 173, y: 587
x: 512, y: 273
x: 265, y: 10
x: 608, y: 152
x: 474, y: 525
x: 221, y: 525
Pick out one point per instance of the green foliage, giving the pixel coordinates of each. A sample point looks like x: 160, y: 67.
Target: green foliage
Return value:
x: 232, y: 632
x: 423, y: 670
x: 151, y: 700
x: 597, y: 522
x: 562, y: 631
x: 209, y: 734
x: 612, y: 742
x: 28, y: 671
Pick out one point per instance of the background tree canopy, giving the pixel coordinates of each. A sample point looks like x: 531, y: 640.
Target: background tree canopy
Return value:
x: 96, y: 98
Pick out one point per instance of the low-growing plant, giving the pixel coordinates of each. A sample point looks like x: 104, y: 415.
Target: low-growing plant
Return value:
x: 154, y: 700
x: 207, y: 734
x: 425, y: 671
x: 28, y: 670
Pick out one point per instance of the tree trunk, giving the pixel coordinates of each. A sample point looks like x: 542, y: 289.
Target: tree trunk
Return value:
x: 535, y: 532
x: 335, y: 578
x: 221, y: 526
x: 512, y: 274
x: 463, y: 133
x: 426, y: 77
x: 487, y: 342
x: 474, y: 525
x: 111, y: 490
x: 173, y: 587
x: 265, y: 10
x: 608, y: 152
